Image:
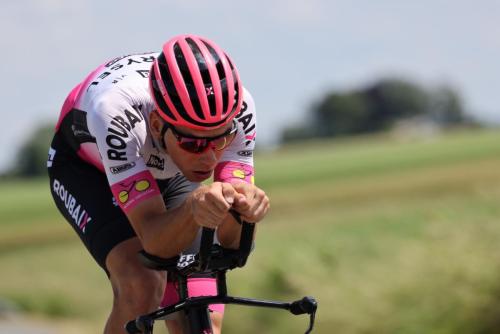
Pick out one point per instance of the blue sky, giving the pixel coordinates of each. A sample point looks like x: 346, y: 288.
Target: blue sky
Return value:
x: 289, y: 52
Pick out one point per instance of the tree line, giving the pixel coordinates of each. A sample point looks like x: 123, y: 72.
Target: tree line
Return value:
x: 376, y: 107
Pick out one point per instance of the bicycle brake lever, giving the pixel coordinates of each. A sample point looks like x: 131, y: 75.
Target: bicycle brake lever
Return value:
x: 305, y: 305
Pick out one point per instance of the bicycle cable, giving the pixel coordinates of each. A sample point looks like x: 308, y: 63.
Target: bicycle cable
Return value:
x: 311, y: 322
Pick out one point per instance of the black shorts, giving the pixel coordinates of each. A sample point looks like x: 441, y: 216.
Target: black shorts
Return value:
x: 83, y: 196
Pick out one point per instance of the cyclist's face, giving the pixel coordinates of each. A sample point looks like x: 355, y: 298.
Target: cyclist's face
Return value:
x: 196, y: 167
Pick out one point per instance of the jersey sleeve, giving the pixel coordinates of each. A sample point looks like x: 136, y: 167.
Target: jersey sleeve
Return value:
x: 120, y: 131
x: 236, y: 164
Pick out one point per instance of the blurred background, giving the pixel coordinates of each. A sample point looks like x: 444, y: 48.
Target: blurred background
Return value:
x: 377, y: 143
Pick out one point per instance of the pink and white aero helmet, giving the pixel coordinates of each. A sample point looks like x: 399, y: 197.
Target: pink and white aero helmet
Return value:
x: 194, y: 84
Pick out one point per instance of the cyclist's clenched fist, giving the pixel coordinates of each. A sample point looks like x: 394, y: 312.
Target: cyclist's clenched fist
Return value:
x: 210, y: 204
x: 250, y: 202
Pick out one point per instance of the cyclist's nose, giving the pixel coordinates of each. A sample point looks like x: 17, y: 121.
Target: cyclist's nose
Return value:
x: 209, y: 156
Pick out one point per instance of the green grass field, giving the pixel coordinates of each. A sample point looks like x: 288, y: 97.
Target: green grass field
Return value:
x: 390, y: 235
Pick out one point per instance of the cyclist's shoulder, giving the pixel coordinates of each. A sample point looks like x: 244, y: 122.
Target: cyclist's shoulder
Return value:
x: 117, y: 81
x: 248, y: 99
x: 246, y: 118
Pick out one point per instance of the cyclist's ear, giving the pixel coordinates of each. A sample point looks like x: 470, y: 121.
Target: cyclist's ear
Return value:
x: 157, y: 127
x: 155, y: 123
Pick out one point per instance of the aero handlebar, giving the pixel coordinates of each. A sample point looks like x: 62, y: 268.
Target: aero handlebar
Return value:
x: 213, y: 258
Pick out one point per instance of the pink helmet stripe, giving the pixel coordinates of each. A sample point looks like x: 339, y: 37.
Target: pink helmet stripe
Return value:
x: 194, y: 70
x: 214, y: 77
x: 179, y: 83
x: 163, y: 90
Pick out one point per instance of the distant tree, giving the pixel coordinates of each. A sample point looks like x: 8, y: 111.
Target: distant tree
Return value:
x: 340, y: 114
x: 393, y: 99
x: 31, y: 161
x: 378, y: 107
x: 446, y: 107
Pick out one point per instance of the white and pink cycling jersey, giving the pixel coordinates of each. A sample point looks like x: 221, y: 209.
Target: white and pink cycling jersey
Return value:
x: 114, y: 136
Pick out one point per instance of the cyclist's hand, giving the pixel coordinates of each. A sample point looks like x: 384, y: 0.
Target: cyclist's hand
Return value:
x: 251, y: 202
x: 210, y: 204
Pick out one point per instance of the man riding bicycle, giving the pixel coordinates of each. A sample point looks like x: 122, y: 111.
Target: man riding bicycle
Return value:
x: 132, y: 144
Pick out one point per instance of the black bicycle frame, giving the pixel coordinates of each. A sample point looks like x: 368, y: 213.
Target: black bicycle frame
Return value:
x: 216, y: 260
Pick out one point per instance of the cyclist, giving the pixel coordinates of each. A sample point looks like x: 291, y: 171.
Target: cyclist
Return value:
x: 133, y: 142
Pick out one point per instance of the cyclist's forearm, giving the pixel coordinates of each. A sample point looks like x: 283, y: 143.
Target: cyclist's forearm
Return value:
x: 165, y: 233
x: 229, y: 233
x: 173, y: 231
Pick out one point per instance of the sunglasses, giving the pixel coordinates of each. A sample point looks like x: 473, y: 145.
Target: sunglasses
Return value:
x: 197, y: 145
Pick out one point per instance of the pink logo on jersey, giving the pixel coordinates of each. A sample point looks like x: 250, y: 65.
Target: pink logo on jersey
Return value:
x: 84, y: 221
x: 251, y: 137
x: 135, y: 189
x: 228, y: 171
